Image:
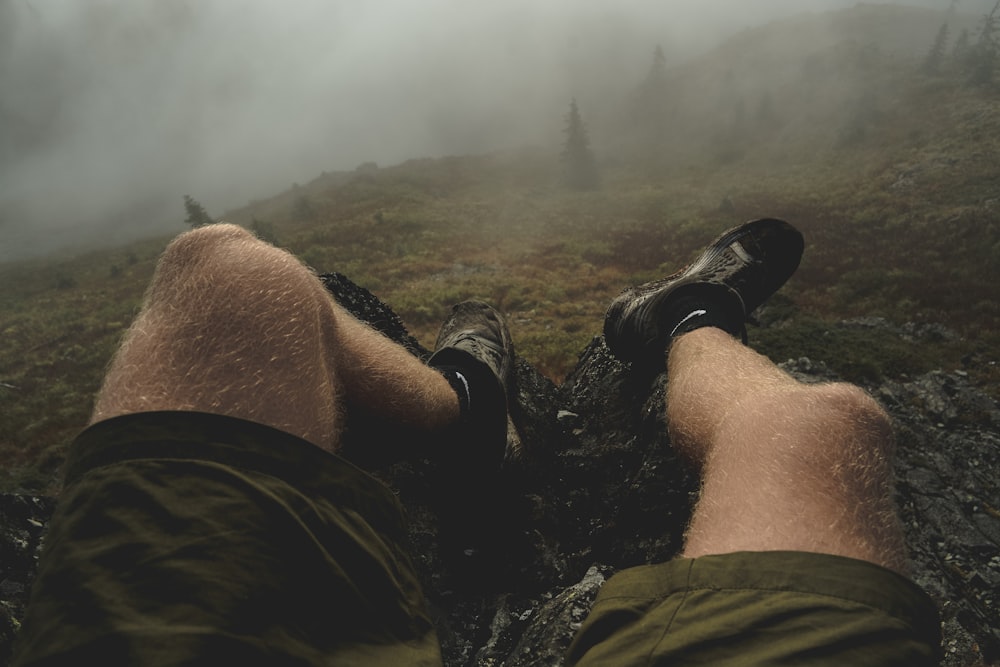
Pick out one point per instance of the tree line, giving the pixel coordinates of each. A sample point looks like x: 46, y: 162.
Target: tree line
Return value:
x: 972, y: 56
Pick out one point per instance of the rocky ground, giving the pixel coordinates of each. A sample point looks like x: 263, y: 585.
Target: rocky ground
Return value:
x: 511, y: 572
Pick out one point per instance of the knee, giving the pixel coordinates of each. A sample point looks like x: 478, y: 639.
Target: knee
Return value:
x: 214, y: 233
x: 814, y: 422
x: 201, y: 244
x: 223, y: 253
x: 852, y: 406
x: 223, y: 268
x: 846, y: 423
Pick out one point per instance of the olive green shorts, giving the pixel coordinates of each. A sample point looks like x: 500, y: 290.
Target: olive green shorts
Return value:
x: 759, y: 608
x: 188, y: 538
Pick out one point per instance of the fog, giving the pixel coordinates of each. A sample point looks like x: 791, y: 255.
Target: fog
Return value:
x: 111, y: 110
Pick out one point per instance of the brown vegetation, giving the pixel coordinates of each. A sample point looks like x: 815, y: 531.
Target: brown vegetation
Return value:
x: 890, y: 173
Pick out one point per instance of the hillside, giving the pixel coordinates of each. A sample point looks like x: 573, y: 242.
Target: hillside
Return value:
x: 596, y: 486
x: 827, y: 121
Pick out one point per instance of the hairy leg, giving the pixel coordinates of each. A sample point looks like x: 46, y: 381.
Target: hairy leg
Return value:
x: 234, y: 326
x: 785, y: 465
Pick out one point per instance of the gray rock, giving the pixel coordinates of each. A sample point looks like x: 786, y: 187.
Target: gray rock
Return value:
x: 597, y: 489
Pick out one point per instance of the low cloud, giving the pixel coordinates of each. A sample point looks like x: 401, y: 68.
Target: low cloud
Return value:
x: 113, y: 109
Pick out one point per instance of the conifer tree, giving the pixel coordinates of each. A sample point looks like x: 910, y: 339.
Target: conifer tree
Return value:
x: 653, y: 92
x: 264, y: 231
x: 302, y: 209
x: 983, y: 56
x: 579, y: 164
x: 932, y: 63
x: 960, y: 52
x: 197, y: 216
x: 652, y: 100
x: 766, y: 116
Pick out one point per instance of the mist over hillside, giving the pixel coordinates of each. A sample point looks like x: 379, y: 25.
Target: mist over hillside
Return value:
x: 112, y: 110
x: 830, y: 120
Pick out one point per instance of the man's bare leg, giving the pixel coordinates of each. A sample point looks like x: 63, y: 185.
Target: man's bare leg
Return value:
x: 234, y: 554
x: 234, y: 326
x: 785, y: 465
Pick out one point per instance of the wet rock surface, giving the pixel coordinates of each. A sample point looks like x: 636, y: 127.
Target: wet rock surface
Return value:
x: 597, y: 488
x: 22, y: 526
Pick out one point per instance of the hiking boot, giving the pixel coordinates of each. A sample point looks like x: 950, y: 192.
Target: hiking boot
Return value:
x: 736, y: 273
x: 475, y: 329
x: 475, y: 353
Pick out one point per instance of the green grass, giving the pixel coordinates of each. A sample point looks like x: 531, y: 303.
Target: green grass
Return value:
x: 61, y: 322
x: 903, y: 228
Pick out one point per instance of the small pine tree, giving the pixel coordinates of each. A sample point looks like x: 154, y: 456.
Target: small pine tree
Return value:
x: 579, y: 164
x: 264, y: 231
x: 653, y: 91
x: 983, y: 55
x: 960, y: 52
x: 766, y: 117
x: 932, y: 63
x: 856, y: 127
x: 651, y: 103
x: 197, y: 216
x: 302, y: 209
x: 739, y: 116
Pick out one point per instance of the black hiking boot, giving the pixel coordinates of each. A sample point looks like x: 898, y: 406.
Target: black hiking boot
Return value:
x: 736, y: 273
x: 475, y: 353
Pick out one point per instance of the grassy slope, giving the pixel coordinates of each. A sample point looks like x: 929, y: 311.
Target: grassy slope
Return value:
x: 898, y: 206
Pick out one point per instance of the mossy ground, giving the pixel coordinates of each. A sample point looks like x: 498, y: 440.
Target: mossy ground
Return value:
x: 903, y: 228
